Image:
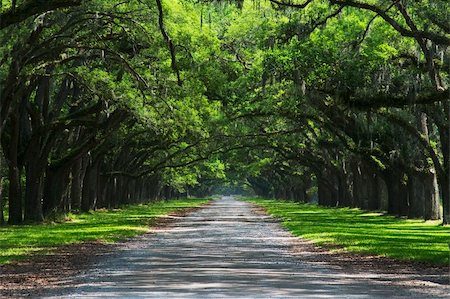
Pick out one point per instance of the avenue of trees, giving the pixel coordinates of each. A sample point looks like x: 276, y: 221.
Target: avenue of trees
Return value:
x: 106, y: 102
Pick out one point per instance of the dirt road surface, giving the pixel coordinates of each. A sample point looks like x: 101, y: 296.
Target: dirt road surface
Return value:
x: 228, y: 250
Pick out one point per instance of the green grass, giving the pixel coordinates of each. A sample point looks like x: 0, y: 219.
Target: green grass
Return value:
x: 363, y: 232
x: 18, y: 242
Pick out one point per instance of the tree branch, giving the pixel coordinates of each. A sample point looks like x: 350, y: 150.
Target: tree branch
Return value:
x: 383, y: 100
x: 168, y: 41
x: 436, y: 38
x: 32, y: 7
x: 289, y: 4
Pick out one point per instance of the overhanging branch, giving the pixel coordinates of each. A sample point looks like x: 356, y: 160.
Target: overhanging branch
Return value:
x: 31, y: 8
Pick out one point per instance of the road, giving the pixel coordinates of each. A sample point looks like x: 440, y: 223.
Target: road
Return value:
x: 225, y: 250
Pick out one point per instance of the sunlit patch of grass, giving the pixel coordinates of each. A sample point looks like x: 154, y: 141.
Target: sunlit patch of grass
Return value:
x: 364, y: 232
x: 18, y: 242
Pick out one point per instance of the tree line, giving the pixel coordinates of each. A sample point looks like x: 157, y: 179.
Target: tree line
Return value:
x: 347, y: 101
x: 93, y: 110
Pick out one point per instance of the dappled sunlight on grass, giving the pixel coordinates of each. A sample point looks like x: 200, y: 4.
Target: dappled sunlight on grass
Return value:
x: 17, y: 242
x: 365, y: 232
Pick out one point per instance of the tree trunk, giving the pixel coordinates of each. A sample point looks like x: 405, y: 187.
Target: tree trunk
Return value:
x: 416, y: 195
x: 90, y: 188
x: 55, y: 188
x: 373, y: 195
x: 2, y: 216
x: 397, y: 193
x: 76, y: 186
x: 327, y: 191
x: 443, y: 170
x: 154, y: 185
x: 359, y: 187
x: 345, y: 194
x: 102, y: 183
x: 124, y: 196
x: 114, y: 193
x: 445, y: 192
x: 15, y: 196
x: 432, y: 207
x: 15, y: 190
x: 365, y: 186
x: 383, y: 197
x: 431, y: 204
x: 33, y: 192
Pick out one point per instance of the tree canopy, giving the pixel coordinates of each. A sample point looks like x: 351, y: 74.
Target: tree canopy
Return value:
x: 106, y: 103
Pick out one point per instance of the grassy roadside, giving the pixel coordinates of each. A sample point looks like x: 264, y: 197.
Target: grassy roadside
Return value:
x: 18, y: 242
x: 363, y: 232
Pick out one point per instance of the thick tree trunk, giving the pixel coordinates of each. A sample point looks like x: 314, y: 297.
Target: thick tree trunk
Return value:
x: 365, y: 186
x: 110, y: 193
x: 323, y: 193
x: 423, y: 196
x: 154, y: 185
x: 2, y: 216
x: 55, y: 189
x: 443, y: 170
x: 327, y: 191
x: 102, y: 183
x: 432, y: 207
x: 140, y: 191
x: 445, y: 192
x: 132, y: 191
x: 113, y: 193
x: 300, y: 193
x: 15, y: 196
x: 416, y: 195
x: 123, y: 191
x: 33, y: 193
x: 76, y: 186
x: 383, y: 196
x: 373, y: 195
x: 397, y: 193
x: 356, y: 172
x: 15, y: 190
x: 345, y: 192
x: 90, y: 188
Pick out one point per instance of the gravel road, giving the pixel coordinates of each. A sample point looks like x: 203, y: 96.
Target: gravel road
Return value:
x: 227, y: 250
